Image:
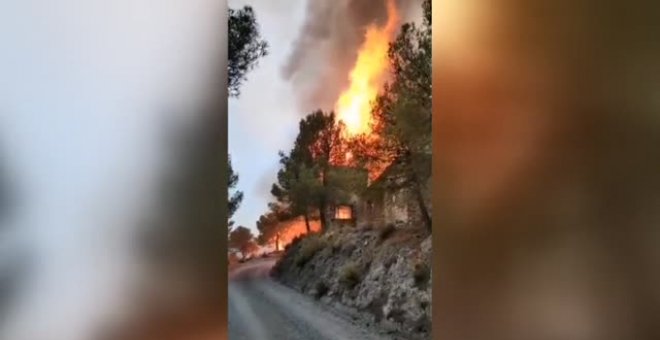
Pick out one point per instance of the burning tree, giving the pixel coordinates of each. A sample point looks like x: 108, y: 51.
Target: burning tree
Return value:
x: 401, y: 126
x: 270, y: 228
x: 367, y: 76
x: 302, y: 186
x: 370, y: 130
x: 250, y: 248
x: 296, y: 190
x: 279, y: 228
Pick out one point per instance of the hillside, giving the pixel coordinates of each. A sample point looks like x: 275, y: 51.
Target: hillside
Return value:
x: 381, y: 274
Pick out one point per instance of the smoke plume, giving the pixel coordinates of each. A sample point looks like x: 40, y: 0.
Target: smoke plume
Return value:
x: 326, y: 47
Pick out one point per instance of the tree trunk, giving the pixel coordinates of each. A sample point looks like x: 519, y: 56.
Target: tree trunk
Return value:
x: 322, y: 208
x: 322, y: 201
x: 307, y: 223
x: 422, y: 207
x: 277, y: 242
x: 419, y: 197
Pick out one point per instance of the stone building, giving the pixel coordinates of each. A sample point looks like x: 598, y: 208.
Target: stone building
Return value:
x: 349, y: 184
x: 383, y: 201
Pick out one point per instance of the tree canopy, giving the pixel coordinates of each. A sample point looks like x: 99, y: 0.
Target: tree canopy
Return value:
x: 302, y: 186
x: 240, y: 239
x: 269, y: 226
x: 245, y: 47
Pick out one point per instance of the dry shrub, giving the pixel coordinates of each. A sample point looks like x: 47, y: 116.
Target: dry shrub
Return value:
x: 321, y: 289
x: 294, y: 242
x: 421, y: 274
x: 308, y: 249
x: 386, y: 232
x: 349, y: 275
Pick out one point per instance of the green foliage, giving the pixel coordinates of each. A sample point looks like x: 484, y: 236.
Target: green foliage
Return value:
x: 298, y: 187
x: 302, y: 186
x: 406, y: 102
x: 245, y: 47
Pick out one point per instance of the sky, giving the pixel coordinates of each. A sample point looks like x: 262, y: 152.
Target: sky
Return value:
x: 264, y: 119
x: 87, y: 89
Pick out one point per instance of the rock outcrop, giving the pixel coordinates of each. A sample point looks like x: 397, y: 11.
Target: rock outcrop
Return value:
x: 381, y: 274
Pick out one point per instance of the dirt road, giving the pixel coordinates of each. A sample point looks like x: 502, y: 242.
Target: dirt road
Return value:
x: 260, y: 309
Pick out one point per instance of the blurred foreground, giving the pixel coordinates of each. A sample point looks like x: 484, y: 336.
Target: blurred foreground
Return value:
x: 547, y: 124
x: 112, y: 131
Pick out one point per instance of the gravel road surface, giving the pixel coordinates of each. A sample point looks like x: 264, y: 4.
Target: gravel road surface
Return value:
x: 261, y: 309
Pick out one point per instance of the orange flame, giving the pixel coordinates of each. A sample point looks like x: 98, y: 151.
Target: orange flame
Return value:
x: 293, y: 228
x: 371, y: 67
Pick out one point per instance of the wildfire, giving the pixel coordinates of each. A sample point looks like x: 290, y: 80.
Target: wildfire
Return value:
x: 294, y: 228
x: 367, y: 76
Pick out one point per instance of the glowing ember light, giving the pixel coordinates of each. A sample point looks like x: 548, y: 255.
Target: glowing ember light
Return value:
x: 293, y: 228
x: 349, y: 157
x: 371, y: 67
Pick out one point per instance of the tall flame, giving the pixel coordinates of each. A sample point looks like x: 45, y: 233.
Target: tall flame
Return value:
x: 353, y: 107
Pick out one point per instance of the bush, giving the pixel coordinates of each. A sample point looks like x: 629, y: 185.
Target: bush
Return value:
x: 336, y: 247
x: 421, y: 274
x: 293, y: 242
x: 349, y: 275
x: 308, y: 249
x: 321, y: 289
x: 386, y: 232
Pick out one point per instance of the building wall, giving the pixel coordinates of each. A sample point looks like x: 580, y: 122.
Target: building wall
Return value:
x: 380, y: 205
x: 369, y: 212
x: 396, y: 210
x: 339, y: 223
x: 392, y: 206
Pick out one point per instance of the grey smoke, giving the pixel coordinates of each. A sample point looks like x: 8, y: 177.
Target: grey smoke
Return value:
x: 326, y: 47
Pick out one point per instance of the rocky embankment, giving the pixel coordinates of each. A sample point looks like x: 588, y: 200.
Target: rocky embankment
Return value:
x: 383, y: 275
